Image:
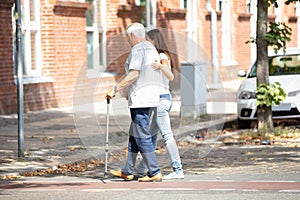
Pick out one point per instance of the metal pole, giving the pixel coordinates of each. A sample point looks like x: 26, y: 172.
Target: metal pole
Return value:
x: 18, y: 62
x: 107, y: 136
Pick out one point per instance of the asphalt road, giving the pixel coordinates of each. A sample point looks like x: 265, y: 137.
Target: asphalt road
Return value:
x: 212, y: 190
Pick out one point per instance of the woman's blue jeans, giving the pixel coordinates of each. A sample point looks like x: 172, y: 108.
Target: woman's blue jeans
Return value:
x: 140, y: 140
x: 161, y: 122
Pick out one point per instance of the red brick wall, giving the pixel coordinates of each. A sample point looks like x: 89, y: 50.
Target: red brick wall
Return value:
x: 291, y: 20
x: 70, y: 49
x: 117, y: 46
x: 8, y: 90
x: 240, y: 35
x: 63, y: 56
x: 64, y: 47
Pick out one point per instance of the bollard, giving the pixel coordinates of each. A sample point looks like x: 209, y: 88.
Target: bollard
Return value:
x: 193, y: 89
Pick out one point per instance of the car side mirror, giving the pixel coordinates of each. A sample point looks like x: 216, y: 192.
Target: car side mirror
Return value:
x: 241, y: 73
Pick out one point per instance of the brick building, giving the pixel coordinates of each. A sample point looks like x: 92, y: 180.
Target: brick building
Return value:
x: 74, y: 49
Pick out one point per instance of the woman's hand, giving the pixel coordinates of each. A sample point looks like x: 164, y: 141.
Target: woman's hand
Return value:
x: 156, y: 65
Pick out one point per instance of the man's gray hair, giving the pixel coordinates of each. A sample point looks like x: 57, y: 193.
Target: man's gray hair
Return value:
x: 137, y: 29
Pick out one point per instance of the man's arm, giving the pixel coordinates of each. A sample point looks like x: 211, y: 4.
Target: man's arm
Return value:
x: 123, y: 83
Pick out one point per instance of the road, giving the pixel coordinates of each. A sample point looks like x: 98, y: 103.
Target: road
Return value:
x: 117, y: 189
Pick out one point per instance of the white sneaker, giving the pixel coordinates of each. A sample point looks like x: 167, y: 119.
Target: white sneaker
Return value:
x: 174, y: 175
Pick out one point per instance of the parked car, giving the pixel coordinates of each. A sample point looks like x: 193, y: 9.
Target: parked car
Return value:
x: 283, y: 68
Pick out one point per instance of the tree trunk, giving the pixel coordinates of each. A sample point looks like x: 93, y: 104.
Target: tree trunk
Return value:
x: 264, y: 113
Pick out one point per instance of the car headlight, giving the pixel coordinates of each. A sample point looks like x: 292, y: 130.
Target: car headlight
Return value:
x: 247, y: 95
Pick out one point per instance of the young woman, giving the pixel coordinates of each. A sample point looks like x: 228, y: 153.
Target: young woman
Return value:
x: 161, y: 118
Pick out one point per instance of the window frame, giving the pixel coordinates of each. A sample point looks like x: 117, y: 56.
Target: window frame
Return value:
x: 99, y: 47
x: 30, y: 26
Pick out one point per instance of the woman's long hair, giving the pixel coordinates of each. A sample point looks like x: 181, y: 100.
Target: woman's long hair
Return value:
x: 160, y: 43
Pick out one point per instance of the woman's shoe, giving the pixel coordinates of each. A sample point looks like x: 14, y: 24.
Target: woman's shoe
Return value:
x: 174, y: 175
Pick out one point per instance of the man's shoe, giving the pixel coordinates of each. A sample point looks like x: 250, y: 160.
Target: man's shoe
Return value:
x: 174, y: 175
x: 120, y: 174
x: 155, y: 178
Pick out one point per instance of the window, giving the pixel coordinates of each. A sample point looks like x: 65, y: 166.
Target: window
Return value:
x: 95, y: 32
x: 140, y: 3
x: 219, y: 5
x: 148, y: 19
x: 227, y: 56
x: 248, y: 9
x: 183, y: 4
x: 31, y: 27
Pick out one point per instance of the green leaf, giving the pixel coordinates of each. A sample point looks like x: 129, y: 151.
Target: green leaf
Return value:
x: 269, y: 94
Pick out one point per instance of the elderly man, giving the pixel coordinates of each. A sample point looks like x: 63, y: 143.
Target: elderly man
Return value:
x: 144, y: 86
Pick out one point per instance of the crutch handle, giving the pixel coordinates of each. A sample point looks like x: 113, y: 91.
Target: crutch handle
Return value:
x: 108, y: 100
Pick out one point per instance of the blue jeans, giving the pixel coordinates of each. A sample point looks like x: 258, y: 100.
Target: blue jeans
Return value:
x: 161, y: 122
x: 140, y: 140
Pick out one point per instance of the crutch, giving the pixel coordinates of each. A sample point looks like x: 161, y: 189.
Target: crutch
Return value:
x: 107, y: 132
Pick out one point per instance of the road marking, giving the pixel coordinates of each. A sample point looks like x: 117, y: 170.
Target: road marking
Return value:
x: 289, y: 191
x: 168, y: 189
x: 250, y: 190
x: 43, y: 190
x: 272, y: 181
x: 212, y: 189
x: 103, y: 190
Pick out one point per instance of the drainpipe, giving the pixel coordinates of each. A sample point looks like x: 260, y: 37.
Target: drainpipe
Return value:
x: 298, y: 22
x: 214, y: 41
x: 150, y: 14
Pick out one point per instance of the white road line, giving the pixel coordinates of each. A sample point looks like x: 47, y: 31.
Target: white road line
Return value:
x: 43, y: 190
x: 103, y: 190
x: 169, y: 189
x: 222, y: 189
x: 289, y: 191
x: 271, y: 181
x: 250, y: 190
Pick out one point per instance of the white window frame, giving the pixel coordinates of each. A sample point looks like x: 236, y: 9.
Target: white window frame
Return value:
x: 298, y: 22
x: 182, y: 4
x: 150, y: 13
x: 97, y: 29
x: 226, y: 33
x: 253, y: 21
x: 192, y: 30
x: 28, y: 28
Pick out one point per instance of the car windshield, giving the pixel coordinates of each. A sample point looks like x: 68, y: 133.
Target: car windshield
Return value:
x: 281, y: 65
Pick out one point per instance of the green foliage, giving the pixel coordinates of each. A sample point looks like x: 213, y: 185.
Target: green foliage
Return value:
x: 287, y: 2
x: 278, y: 35
x: 269, y: 94
x: 272, y: 2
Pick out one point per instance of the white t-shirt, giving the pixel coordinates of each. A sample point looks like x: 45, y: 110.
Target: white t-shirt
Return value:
x: 145, y: 91
x: 166, y: 88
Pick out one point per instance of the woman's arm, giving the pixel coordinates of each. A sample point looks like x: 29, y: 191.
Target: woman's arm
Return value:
x: 165, y: 67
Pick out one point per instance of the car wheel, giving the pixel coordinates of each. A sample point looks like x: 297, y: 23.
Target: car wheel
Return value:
x: 244, y: 124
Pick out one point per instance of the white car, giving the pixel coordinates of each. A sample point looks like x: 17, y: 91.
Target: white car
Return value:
x: 283, y: 68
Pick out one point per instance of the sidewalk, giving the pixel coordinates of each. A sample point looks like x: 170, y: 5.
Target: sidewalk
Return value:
x: 71, y: 135
x: 76, y: 136
x: 59, y: 136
